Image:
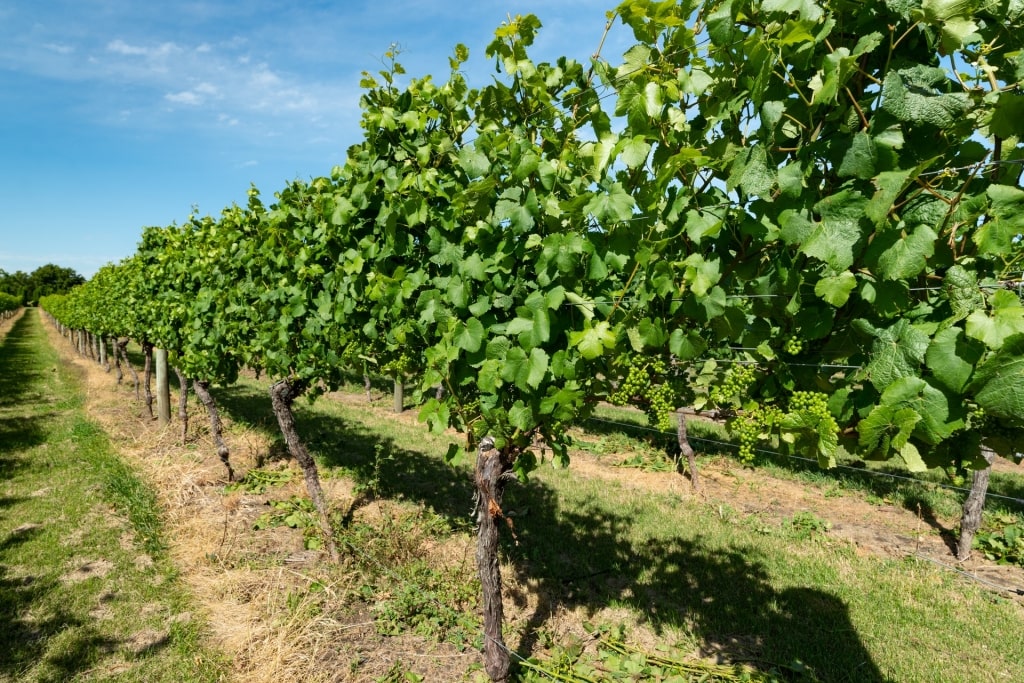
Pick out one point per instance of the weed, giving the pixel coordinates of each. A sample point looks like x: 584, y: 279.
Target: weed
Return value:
x: 1004, y: 544
x: 431, y: 603
x: 804, y: 525
x: 260, y: 481
x: 123, y: 488
x: 295, y: 513
x: 649, y: 462
x: 398, y: 674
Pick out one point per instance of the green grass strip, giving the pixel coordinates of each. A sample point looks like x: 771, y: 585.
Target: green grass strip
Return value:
x: 86, y: 591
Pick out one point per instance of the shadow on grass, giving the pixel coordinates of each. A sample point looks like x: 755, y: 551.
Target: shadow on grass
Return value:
x: 27, y: 632
x: 584, y: 557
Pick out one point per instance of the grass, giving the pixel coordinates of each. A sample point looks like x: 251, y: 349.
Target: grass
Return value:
x: 673, y: 572
x: 672, y: 577
x: 86, y: 592
x: 884, y: 483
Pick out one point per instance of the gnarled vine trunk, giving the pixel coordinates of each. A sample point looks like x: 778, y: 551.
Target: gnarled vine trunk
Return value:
x: 971, y: 520
x: 182, y: 403
x: 282, y: 394
x: 202, y: 389
x: 686, y: 449
x: 103, y: 354
x: 491, y: 467
x: 121, y: 348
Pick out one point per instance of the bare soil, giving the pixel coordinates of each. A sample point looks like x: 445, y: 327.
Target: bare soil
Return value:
x: 252, y: 588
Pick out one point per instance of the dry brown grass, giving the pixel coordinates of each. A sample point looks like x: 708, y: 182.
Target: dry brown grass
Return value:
x: 254, y: 588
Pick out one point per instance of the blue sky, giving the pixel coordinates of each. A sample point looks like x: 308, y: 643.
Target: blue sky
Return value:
x: 119, y: 114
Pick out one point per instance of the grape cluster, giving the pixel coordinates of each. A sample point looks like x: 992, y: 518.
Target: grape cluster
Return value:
x: 647, y: 383
x: 793, y: 346
x: 398, y: 366
x: 735, y: 385
x: 753, y: 426
x: 815, y: 404
x: 660, y: 405
x: 747, y: 431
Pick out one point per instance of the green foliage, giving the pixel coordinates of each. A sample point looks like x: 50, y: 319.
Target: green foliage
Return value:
x: 825, y: 194
x: 1005, y: 544
x: 9, y: 302
x: 44, y: 281
x: 294, y: 513
x: 260, y: 481
x: 431, y: 603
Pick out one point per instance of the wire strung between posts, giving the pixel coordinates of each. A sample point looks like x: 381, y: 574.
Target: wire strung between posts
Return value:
x: 971, y: 167
x: 765, y: 451
x: 975, y: 577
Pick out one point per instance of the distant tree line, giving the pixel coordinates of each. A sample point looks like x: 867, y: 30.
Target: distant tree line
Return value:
x: 48, y: 279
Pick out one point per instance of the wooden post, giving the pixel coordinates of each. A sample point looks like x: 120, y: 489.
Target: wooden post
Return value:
x: 399, y: 405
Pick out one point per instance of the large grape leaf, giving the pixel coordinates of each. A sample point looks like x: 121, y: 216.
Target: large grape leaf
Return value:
x: 1006, y: 320
x: 912, y: 95
x: 999, y: 382
x: 898, y: 352
x: 837, y: 238
x: 951, y: 358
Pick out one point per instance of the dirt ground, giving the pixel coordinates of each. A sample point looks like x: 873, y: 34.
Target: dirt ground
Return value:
x: 272, y: 635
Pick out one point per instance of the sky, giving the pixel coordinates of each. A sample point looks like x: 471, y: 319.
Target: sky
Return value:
x: 120, y: 114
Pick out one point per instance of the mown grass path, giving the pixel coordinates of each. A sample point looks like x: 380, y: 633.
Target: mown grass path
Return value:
x: 86, y: 593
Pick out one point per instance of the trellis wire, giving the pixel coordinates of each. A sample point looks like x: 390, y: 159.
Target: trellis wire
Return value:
x: 765, y: 451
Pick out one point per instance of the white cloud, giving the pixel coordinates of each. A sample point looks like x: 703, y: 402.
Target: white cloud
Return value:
x: 155, y: 52
x: 59, y: 48
x: 184, y: 97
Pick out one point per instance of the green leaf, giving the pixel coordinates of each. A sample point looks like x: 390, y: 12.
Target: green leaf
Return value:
x: 750, y: 172
x: 998, y: 235
x: 701, y: 274
x: 593, y: 339
x: 1008, y: 116
x: 961, y: 288
x: 837, y: 238
x: 912, y: 95
x: 912, y: 458
x: 954, y: 18
x: 635, y: 151
x: 951, y: 358
x: 904, y: 257
x: 537, y: 367
x: 889, y: 185
x: 1006, y: 320
x: 860, y: 159
x: 999, y: 383
x: 886, y: 427
x: 470, y: 335
x: 836, y: 289
x: 521, y: 416
x: 898, y: 352
x: 686, y: 345
x: 611, y: 206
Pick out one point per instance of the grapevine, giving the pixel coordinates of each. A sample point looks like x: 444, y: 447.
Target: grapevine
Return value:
x: 648, y: 384
x: 735, y: 386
